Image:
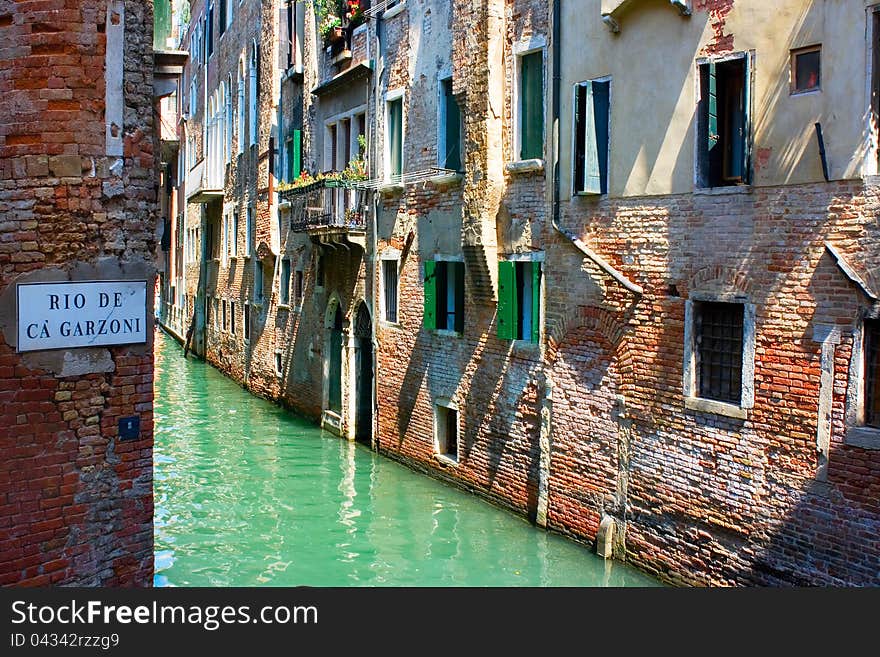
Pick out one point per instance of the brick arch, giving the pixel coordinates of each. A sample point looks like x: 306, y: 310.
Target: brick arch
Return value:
x: 600, y: 321
x: 709, y: 278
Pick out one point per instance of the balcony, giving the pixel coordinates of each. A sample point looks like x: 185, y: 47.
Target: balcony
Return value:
x: 203, y: 184
x: 330, y: 211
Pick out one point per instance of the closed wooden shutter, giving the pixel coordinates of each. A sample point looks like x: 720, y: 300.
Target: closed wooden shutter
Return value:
x: 596, y: 109
x: 296, y: 158
x: 536, y: 302
x: 507, y: 306
x: 459, y: 297
x: 532, y: 106
x: 430, y: 315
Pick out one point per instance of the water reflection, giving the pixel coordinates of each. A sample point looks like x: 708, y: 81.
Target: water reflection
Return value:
x: 247, y: 494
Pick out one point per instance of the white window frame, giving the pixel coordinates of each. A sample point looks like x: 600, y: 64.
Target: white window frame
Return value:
x: 241, y: 120
x: 692, y: 400
x: 440, y: 424
x: 389, y: 255
x: 249, y: 230
x: 521, y: 49
x: 443, y: 76
x: 858, y: 434
x: 253, y: 104
x: 394, y: 10
x: 391, y: 96
x: 282, y: 302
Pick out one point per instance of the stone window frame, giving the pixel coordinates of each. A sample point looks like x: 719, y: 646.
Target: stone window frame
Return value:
x: 794, y: 53
x: 574, y: 140
x: 392, y: 95
x: 445, y: 257
x: 529, y: 345
x: 857, y: 433
x: 278, y: 363
x: 249, y: 230
x: 284, y: 295
x: 442, y: 76
x: 521, y: 48
x: 388, y: 255
x: 444, y: 457
x: 692, y: 400
x: 394, y: 10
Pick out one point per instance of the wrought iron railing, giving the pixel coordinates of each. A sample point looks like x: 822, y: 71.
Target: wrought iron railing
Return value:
x: 326, y: 204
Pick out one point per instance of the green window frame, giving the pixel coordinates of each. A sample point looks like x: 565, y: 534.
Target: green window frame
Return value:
x: 444, y: 295
x: 531, y: 105
x: 294, y: 155
x: 519, y: 300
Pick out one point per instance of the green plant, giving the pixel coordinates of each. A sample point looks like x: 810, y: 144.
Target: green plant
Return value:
x: 328, y: 24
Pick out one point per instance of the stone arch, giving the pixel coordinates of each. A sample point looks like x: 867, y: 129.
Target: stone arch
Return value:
x: 601, y: 321
x: 718, y: 279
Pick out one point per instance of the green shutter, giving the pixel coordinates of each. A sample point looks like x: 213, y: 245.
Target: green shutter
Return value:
x: 712, y: 106
x: 596, y: 137
x: 580, y: 127
x: 532, y: 106
x: 536, y: 302
x: 296, y: 160
x: 507, y: 307
x: 161, y: 23
x: 453, y: 129
x: 459, y: 297
x: 430, y: 316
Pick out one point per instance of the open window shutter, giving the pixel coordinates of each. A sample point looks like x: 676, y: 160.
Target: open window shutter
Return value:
x: 430, y: 315
x: 532, y: 106
x: 747, y: 121
x: 580, y: 125
x: 296, y: 162
x: 536, y: 302
x: 596, y: 137
x: 712, y: 106
x: 453, y: 130
x: 507, y: 307
x: 459, y: 297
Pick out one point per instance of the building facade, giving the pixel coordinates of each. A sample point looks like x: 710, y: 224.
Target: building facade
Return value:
x: 77, y: 203
x: 607, y: 263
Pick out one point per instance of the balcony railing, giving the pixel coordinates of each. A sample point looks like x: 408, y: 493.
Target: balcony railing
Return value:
x: 327, y: 206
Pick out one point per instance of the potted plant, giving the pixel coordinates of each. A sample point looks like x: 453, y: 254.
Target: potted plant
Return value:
x: 330, y: 28
x: 354, y: 13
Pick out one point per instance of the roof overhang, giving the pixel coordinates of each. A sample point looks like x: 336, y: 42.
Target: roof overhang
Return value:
x: 359, y: 71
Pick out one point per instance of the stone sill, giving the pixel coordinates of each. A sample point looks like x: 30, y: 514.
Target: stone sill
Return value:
x: 390, y: 188
x: 389, y: 325
x: 447, y: 333
x: 445, y: 459
x: 715, y: 407
x: 723, y: 191
x: 446, y: 179
x: 525, y: 166
x: 864, y: 437
x: 394, y: 11
x: 342, y: 57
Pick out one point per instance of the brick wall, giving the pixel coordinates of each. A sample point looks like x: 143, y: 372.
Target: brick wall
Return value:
x: 76, y: 504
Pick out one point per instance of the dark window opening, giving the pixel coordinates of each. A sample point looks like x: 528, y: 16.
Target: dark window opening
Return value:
x: 247, y: 321
x: 519, y: 300
x: 452, y: 128
x: 232, y: 317
x: 806, y: 69
x: 298, y: 287
x: 724, y: 124
x: 447, y: 432
x: 389, y: 279
x: 284, y: 292
x: 719, y: 351
x: 872, y: 373
x: 444, y: 295
x: 319, y: 275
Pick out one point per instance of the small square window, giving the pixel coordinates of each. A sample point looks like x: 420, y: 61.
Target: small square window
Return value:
x: 806, y: 69
x: 446, y: 431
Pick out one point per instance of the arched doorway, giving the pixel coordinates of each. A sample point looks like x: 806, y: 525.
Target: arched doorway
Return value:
x: 363, y: 355
x: 334, y: 370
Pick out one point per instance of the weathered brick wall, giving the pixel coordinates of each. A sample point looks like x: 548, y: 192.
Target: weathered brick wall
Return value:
x: 76, y: 504
x: 712, y: 499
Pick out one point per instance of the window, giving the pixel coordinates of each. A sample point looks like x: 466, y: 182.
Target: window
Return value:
x: 591, y: 133
x: 221, y: 23
x: 258, y: 281
x: 719, y: 351
x: 394, y: 140
x: 241, y: 108
x: 233, y: 235
x: 519, y: 300
x: 232, y: 317
x: 446, y: 430
x: 450, y: 128
x: 444, y: 295
x: 225, y: 249
x: 298, y: 287
x: 805, y: 69
x: 247, y: 321
x: 389, y: 288
x: 724, y: 126
x: 253, y: 91
x: 293, y: 34
x: 229, y: 120
x: 208, y: 303
x: 249, y: 231
x: 294, y: 155
x: 872, y: 373
x: 284, y: 292
x: 209, y: 39
x: 278, y: 364
x: 719, y: 356
x: 225, y: 317
x: 531, y: 105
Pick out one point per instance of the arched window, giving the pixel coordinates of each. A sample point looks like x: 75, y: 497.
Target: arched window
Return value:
x: 253, y: 91
x: 241, y: 119
x: 228, y: 135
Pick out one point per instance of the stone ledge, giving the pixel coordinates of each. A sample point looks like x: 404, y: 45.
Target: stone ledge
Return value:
x: 390, y: 188
x: 864, y: 437
x: 445, y: 179
x: 723, y: 191
x: 442, y: 459
x: 715, y: 407
x: 525, y: 166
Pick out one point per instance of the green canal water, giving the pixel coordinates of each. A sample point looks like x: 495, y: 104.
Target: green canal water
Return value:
x: 248, y: 494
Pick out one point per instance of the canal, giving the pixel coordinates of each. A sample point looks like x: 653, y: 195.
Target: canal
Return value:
x: 248, y: 494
